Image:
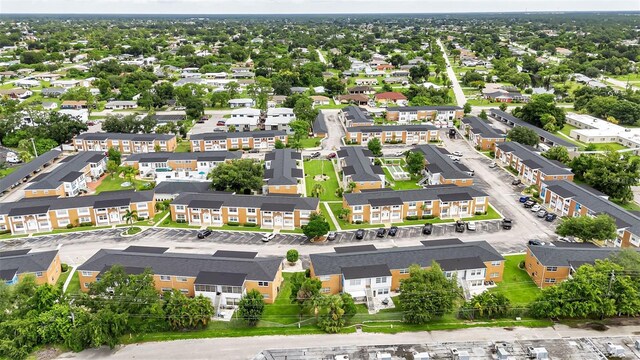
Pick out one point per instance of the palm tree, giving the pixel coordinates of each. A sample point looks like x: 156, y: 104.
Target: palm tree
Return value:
x: 112, y: 168
x: 130, y: 216
x: 129, y: 173
x: 317, y: 190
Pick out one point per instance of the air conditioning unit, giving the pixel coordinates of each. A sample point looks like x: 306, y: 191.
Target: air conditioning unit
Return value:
x: 615, y: 350
x: 537, y: 353
x: 421, y: 356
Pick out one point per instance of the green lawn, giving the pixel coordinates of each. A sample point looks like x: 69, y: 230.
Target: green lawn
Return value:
x: 310, y: 142
x: 133, y: 230
x: 609, y: 147
x: 317, y: 167
x: 183, y: 146
x: 159, y: 216
x: 169, y: 223
x: 74, y: 284
x: 325, y: 213
x: 282, y: 311
x: 63, y: 277
x: 567, y: 129
x: 7, y: 171
x: 401, y: 184
x: 115, y: 184
x: 631, y: 205
x: 516, y: 284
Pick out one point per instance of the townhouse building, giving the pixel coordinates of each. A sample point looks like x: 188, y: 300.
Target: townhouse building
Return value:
x: 44, y: 266
x: 267, y: 212
x: 319, y: 126
x: 184, y: 166
x: 262, y: 140
x: 279, y: 119
x: 45, y: 214
x: 532, y: 168
x: 120, y: 105
x: 482, y: 135
x: 223, y: 278
x: 407, y: 114
x: 125, y: 143
x: 70, y: 177
x: 386, y: 206
x: 440, y: 169
x: 355, y: 116
x: 365, y: 272
x: 547, y: 139
x: 393, y: 134
x: 356, y: 164
x: 284, y: 172
x: 244, y: 119
x: 567, y: 198
x: 550, y: 265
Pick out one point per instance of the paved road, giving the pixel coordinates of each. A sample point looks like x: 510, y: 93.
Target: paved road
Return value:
x: 336, y: 131
x: 457, y: 90
x: 248, y: 347
x: 619, y: 83
x: 321, y: 56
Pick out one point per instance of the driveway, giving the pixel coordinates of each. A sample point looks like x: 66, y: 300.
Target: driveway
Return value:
x: 457, y: 90
x: 336, y: 131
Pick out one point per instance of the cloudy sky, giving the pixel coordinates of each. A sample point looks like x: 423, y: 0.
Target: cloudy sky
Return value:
x: 306, y: 6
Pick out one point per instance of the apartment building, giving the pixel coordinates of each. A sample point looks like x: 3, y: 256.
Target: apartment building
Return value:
x: 365, y: 272
x: 244, y: 119
x: 125, y: 143
x: 407, y: 114
x: 567, y: 198
x: 262, y: 140
x: 44, y: 266
x: 440, y: 169
x: 70, y: 177
x: 482, y: 135
x: 356, y: 164
x: 386, y: 206
x: 532, y: 167
x: 279, y: 119
x: 268, y: 212
x: 550, y: 265
x: 223, y: 278
x: 547, y: 139
x: 45, y: 214
x: 28, y: 170
x: 393, y: 134
x: 284, y: 172
x: 186, y: 166
x: 352, y: 116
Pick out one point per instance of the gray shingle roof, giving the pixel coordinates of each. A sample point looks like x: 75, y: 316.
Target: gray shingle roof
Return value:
x: 319, y: 124
x: 366, y: 271
x: 179, y: 187
x: 381, y: 128
x: 556, y: 140
x: 444, y: 193
x: 283, y: 169
x: 197, y: 156
x: 215, y: 200
x: 122, y: 136
x: 355, y: 114
x: 232, y: 135
x: 403, y: 257
x: 27, y: 263
x: 533, y: 160
x: 189, y: 265
x: 358, y: 164
x: 67, y: 171
x: 482, y: 128
x: 565, y: 256
x: 439, y: 163
x: 27, y: 169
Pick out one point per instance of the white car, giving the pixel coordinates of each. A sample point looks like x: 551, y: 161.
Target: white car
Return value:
x: 457, y: 153
x: 455, y: 159
x: 471, y: 226
x: 536, y: 208
x: 492, y: 165
x: 268, y: 237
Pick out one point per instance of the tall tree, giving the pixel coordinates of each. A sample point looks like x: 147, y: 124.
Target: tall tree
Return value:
x: 415, y: 162
x: 331, y: 317
x: 237, y: 175
x: 523, y: 135
x: 251, y: 307
x: 375, y: 146
x: 587, y: 228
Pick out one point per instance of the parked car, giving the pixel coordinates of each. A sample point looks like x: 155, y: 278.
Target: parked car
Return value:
x: 427, y: 229
x: 457, y: 153
x: 360, y: 234
x: 315, y: 155
x: 524, y: 199
x: 90, y: 123
x: 203, y: 119
x: 220, y: 123
x: 381, y: 232
x: 536, y: 242
x: 460, y: 226
x: 542, y: 213
x: 535, y: 208
x: 471, y: 226
x: 507, y: 223
x: 331, y: 235
x: 393, y: 231
x: 516, y: 182
x: 550, y: 217
x: 331, y: 155
x: 204, y: 233
x: 268, y: 237
x: 399, y: 154
x: 529, y: 203
x: 492, y: 165
x: 455, y: 159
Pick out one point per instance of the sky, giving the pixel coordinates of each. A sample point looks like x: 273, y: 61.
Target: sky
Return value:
x: 307, y: 6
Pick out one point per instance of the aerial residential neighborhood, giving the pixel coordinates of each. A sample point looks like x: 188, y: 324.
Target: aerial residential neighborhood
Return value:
x: 421, y: 186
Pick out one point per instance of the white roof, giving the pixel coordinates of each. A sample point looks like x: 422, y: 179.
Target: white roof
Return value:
x: 240, y: 101
x: 242, y: 120
x: 245, y: 112
x: 594, y: 127
x: 279, y: 111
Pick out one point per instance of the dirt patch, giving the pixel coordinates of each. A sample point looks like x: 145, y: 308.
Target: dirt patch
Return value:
x: 596, y: 326
x: 509, y: 328
x: 319, y: 178
x: 47, y: 353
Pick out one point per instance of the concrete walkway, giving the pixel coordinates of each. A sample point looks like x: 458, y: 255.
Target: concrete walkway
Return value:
x: 68, y: 281
x: 457, y: 90
x: 333, y: 218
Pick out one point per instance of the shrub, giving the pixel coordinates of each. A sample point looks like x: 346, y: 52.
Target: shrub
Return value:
x: 292, y: 256
x: 246, y: 148
x: 233, y: 223
x: 307, y: 273
x: 249, y: 224
x: 412, y: 217
x: 69, y: 226
x: 521, y: 264
x: 85, y: 224
x: 428, y: 217
x: 5, y: 232
x: 167, y: 221
x: 181, y: 221
x: 64, y: 267
x: 492, y: 154
x: 358, y: 222
x: 233, y: 149
x: 478, y: 213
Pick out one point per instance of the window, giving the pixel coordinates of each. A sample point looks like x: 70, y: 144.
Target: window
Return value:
x: 166, y: 289
x: 181, y: 279
x: 552, y: 268
x: 86, y: 273
x: 324, y: 278
x: 184, y: 291
x: 475, y: 272
x: 357, y: 208
x: 354, y: 282
x: 325, y: 290
x: 550, y: 280
x: 263, y: 283
x: 86, y: 285
x: 381, y: 280
x: 38, y: 273
x: 404, y: 271
x: 495, y: 275
x: 233, y: 219
x: 233, y: 210
x: 251, y: 211
x: 265, y: 296
x: 165, y: 278
x: 496, y: 263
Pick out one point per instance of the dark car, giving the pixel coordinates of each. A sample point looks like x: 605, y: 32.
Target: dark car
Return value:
x: 360, y: 234
x: 460, y: 226
x: 90, y: 123
x: 331, y: 235
x: 315, y: 155
x: 393, y: 231
x: 536, y: 242
x: 203, y: 119
x: 427, y: 229
x: 204, y: 233
x: 524, y: 199
x: 381, y: 232
x: 516, y: 182
x: 331, y: 155
x: 529, y: 203
x: 550, y: 217
x: 507, y: 224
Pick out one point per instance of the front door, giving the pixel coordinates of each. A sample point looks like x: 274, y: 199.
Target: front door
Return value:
x: 32, y: 224
x: 114, y: 217
x: 385, y: 215
x: 277, y: 221
x: 206, y: 218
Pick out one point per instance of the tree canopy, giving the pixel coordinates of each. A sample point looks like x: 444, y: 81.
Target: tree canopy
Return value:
x: 237, y: 175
